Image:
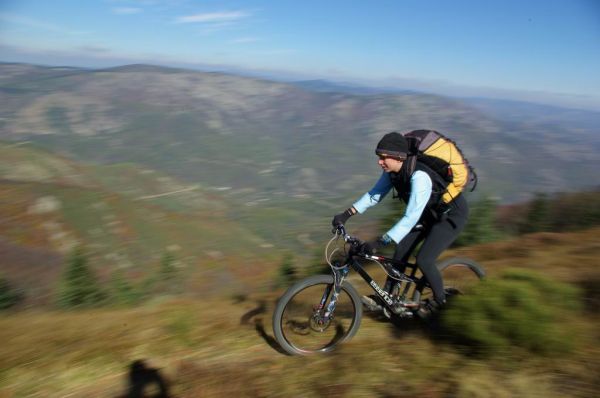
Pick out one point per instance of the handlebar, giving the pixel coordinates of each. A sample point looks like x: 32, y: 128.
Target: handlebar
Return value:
x: 357, y: 246
x: 341, y: 230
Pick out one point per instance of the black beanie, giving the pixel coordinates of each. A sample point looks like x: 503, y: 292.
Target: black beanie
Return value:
x: 394, y: 145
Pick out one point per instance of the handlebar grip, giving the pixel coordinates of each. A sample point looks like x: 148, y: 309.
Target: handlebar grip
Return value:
x: 341, y: 230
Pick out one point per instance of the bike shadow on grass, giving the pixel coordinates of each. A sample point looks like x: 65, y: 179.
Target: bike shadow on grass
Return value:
x: 255, y: 317
x: 429, y: 326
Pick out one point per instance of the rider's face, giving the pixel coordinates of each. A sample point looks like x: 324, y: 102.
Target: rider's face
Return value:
x: 389, y: 164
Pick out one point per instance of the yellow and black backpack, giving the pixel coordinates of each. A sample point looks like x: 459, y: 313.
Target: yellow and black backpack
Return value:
x: 443, y: 156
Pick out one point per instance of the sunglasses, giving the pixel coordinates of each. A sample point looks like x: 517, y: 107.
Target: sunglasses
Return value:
x: 384, y: 157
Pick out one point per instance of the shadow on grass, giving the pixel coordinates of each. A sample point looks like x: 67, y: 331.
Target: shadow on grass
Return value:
x: 247, y: 319
x: 591, y: 293
x: 428, y: 327
x: 261, y: 309
x: 260, y: 329
x: 140, y: 378
x: 431, y: 328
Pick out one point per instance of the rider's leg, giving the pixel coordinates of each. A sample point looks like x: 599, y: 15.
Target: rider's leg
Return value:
x: 439, y: 238
x: 403, y: 250
x: 402, y: 253
x: 407, y: 245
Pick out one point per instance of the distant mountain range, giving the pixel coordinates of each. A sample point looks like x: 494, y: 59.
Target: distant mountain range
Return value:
x: 262, y: 140
x: 502, y: 109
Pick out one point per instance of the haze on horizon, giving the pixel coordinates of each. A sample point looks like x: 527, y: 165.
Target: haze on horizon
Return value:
x: 538, y: 51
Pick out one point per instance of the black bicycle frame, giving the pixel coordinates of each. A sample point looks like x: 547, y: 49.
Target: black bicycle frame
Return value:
x: 385, y: 296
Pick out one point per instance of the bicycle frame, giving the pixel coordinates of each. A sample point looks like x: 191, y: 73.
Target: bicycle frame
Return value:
x: 351, y: 261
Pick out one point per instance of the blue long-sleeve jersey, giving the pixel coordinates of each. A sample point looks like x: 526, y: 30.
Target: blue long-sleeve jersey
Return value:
x: 421, y: 188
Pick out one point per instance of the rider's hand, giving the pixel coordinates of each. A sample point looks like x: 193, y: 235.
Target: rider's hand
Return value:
x: 340, y: 219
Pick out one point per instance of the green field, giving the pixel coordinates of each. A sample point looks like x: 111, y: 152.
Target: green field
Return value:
x: 212, y: 347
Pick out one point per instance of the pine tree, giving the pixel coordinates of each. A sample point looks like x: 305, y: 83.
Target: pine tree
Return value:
x: 481, y: 226
x: 537, y: 219
x: 78, y: 286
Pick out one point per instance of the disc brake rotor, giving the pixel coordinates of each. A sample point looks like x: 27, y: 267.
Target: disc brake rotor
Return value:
x: 318, y: 323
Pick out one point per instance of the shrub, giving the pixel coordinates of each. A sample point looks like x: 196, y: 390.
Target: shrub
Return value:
x: 122, y: 291
x: 168, y: 272
x: 287, y: 271
x: 9, y: 297
x: 317, y: 264
x: 520, y: 308
x: 166, y: 280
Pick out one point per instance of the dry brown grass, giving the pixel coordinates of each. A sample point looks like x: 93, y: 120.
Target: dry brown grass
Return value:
x: 215, y: 348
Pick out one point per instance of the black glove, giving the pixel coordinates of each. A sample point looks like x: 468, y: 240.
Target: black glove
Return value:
x: 340, y: 219
x: 376, y: 246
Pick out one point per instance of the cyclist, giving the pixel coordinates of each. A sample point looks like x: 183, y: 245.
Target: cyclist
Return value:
x: 421, y: 189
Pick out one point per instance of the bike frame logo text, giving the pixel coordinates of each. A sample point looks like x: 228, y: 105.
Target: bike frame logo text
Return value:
x: 383, y: 294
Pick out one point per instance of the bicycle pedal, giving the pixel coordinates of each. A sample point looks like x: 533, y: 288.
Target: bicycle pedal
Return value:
x: 400, y: 311
x: 370, y: 304
x: 410, y: 304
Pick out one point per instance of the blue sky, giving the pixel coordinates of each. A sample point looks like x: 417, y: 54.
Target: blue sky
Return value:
x: 546, y: 50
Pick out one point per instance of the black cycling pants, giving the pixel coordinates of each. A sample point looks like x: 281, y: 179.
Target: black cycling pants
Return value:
x: 435, y: 240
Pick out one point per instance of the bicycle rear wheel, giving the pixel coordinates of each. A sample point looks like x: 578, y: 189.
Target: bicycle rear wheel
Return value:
x: 459, y: 275
x: 298, y: 323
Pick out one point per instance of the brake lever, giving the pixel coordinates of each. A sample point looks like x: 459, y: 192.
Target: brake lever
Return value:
x: 339, y: 230
x: 354, y: 242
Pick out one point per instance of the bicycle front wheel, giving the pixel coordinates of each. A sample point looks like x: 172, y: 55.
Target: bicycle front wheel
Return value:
x: 299, y: 324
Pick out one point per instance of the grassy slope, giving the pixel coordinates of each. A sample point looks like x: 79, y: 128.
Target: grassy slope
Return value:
x: 120, y: 214
x: 215, y: 348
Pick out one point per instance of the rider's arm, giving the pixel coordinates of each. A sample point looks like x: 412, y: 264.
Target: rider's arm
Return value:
x: 375, y: 195
x: 420, y: 192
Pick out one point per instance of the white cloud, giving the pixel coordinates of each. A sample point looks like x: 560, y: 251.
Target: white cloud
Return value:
x: 126, y: 10
x: 93, y: 49
x: 213, y: 17
x: 243, y: 40
x: 37, y: 24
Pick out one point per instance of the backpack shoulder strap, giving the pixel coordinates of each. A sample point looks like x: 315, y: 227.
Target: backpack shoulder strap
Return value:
x: 425, y: 138
x: 414, y: 144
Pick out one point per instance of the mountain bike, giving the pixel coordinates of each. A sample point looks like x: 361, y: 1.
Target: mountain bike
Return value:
x: 320, y: 312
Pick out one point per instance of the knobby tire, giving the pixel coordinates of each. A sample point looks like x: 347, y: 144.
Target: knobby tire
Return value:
x: 292, y: 325
x: 459, y: 274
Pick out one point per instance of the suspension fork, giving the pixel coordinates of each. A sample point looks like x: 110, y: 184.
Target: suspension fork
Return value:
x: 338, y: 279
